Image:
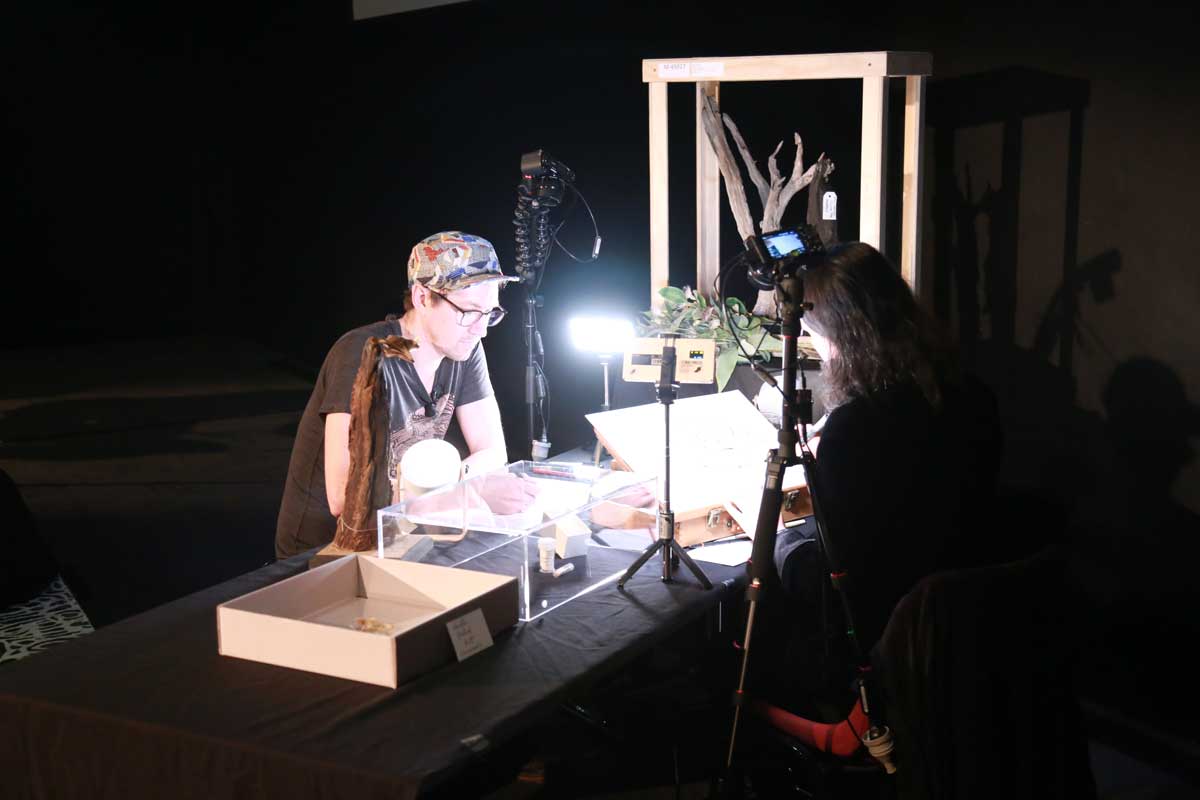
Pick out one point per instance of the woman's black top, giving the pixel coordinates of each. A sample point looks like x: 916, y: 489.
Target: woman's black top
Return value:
x: 906, y: 489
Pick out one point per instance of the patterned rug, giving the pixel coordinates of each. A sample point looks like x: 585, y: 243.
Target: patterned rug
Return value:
x: 30, y: 627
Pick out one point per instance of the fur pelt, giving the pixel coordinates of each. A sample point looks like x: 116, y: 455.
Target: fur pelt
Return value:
x: 368, y: 449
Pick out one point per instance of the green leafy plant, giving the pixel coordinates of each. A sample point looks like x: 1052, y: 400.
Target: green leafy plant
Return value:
x: 692, y: 316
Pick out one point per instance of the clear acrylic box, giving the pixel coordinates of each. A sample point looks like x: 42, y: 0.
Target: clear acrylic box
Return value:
x: 474, y: 524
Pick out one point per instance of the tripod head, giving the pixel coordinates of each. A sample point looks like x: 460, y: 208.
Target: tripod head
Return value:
x: 544, y: 179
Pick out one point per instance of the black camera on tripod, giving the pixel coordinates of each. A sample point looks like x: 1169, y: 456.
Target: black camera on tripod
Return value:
x: 782, y: 254
x: 543, y: 179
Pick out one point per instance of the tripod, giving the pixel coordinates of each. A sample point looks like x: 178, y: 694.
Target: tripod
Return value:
x: 797, y: 410
x: 671, y: 550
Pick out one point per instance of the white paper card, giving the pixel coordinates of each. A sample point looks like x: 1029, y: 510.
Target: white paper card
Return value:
x: 731, y: 554
x: 674, y: 70
x: 470, y: 634
x: 708, y: 69
x: 829, y: 205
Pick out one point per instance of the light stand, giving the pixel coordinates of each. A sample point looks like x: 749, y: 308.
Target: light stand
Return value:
x: 605, y: 358
x: 602, y: 337
x: 535, y: 382
x: 543, y: 181
x: 666, y: 542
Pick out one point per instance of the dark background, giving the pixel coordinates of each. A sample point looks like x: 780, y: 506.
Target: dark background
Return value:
x: 261, y: 170
x: 258, y: 172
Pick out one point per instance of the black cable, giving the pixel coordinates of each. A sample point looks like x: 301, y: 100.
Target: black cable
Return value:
x: 719, y: 285
x: 595, y: 229
x: 544, y: 406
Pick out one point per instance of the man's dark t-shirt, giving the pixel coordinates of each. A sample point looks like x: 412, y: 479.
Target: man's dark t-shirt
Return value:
x: 304, y: 518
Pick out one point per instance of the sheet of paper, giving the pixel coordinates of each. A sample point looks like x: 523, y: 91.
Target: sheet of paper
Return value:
x: 730, y: 554
x: 719, y: 445
x: 469, y: 633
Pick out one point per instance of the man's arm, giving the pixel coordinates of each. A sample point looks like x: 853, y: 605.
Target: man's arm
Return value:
x: 337, y: 460
x: 481, y: 427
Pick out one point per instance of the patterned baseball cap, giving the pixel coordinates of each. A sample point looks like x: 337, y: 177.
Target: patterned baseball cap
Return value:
x: 453, y: 260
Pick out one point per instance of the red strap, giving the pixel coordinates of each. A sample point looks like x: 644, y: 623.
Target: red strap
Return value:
x: 839, y: 739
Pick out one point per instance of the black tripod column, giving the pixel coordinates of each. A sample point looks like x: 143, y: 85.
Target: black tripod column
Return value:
x: 666, y: 542
x: 762, y: 556
x: 535, y: 390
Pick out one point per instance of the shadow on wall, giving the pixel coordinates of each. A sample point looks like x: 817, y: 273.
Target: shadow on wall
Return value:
x: 975, y: 285
x: 1111, y: 473
x: 1137, y: 546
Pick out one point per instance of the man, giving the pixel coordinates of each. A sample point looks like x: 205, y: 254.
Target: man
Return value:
x: 453, y: 298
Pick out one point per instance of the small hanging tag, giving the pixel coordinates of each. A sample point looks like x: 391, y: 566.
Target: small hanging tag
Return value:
x: 470, y: 634
x: 829, y: 205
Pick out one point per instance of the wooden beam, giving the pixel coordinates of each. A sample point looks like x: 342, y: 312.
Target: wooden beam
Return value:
x: 708, y: 196
x: 871, y: 210
x: 660, y: 218
x: 914, y: 184
x: 813, y: 66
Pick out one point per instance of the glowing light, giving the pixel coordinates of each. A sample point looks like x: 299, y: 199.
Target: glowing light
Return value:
x: 601, y: 334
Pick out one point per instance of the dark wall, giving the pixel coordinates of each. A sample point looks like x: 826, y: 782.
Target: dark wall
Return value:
x: 264, y: 170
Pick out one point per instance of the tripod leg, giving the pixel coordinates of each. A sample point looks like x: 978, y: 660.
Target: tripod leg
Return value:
x: 686, y: 559
x: 642, y: 559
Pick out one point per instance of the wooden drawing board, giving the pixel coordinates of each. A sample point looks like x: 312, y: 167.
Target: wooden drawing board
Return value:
x: 719, y: 446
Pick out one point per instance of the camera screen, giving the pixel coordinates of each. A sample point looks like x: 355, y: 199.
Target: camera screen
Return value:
x: 784, y: 243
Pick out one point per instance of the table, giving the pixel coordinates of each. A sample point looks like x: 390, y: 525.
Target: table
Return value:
x: 146, y: 707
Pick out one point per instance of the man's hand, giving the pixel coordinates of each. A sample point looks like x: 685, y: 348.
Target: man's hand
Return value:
x: 630, y: 509
x: 640, y: 496
x: 507, y: 494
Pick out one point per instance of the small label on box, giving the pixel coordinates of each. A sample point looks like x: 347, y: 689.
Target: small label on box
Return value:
x: 470, y: 634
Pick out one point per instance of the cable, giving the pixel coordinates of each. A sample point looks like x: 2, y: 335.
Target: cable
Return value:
x: 719, y: 284
x: 595, y: 229
x: 544, y: 410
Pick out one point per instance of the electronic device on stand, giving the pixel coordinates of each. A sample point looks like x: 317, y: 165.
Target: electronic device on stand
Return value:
x: 640, y: 364
x: 544, y: 183
x: 778, y: 261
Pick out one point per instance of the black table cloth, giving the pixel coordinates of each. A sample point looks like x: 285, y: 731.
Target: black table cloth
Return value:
x: 146, y: 707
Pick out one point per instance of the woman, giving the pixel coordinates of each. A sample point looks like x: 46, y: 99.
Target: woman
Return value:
x: 908, y: 455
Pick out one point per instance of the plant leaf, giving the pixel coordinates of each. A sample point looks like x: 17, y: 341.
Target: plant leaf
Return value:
x: 726, y: 361
x: 672, y: 295
x: 771, y: 344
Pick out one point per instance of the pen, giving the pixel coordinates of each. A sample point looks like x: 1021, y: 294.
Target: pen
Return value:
x: 556, y: 472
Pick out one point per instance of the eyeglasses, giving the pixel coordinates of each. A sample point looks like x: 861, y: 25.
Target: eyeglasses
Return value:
x: 469, y: 316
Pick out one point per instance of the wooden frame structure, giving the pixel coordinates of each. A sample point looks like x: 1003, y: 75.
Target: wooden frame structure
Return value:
x: 707, y: 74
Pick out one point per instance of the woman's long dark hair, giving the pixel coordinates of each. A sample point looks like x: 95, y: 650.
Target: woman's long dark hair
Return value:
x: 882, y: 337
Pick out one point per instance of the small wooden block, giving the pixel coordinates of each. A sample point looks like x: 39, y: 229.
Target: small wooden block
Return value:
x: 571, y: 535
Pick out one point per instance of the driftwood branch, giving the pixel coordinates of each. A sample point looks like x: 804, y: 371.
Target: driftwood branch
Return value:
x: 755, y: 173
x: 799, y: 178
x: 735, y: 189
x: 774, y: 191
